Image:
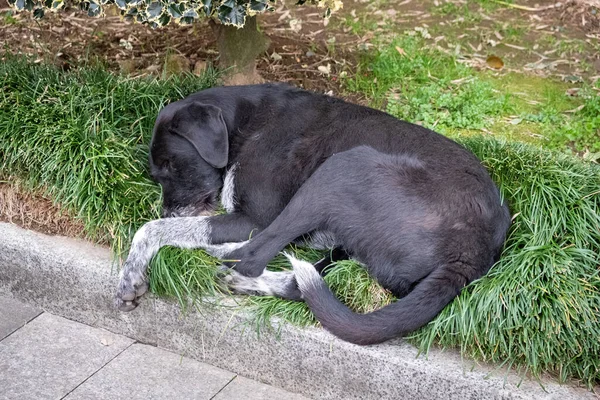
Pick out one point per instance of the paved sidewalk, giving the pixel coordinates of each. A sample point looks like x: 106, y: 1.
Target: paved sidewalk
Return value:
x: 43, y: 356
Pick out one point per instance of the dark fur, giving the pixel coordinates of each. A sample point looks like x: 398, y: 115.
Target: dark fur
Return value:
x: 417, y: 209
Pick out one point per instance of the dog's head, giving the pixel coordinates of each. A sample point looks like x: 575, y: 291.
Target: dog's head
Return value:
x: 188, y: 152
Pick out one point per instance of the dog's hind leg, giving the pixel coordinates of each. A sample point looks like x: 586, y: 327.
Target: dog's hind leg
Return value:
x: 270, y: 283
x: 309, y: 210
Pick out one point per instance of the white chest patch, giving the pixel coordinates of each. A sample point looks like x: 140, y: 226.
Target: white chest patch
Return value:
x: 228, y: 192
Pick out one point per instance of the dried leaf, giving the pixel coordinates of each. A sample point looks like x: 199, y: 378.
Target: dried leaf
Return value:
x: 526, y: 8
x: 494, y: 62
x: 514, y: 46
x: 572, y: 91
x: 284, y: 16
x: 126, y: 44
x: 296, y: 25
x: 575, y: 109
x: 325, y: 70
x: 401, y: 51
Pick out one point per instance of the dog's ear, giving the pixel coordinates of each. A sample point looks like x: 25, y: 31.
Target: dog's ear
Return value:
x: 204, y: 127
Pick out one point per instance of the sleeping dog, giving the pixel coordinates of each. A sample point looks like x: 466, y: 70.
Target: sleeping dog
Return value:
x: 418, y: 210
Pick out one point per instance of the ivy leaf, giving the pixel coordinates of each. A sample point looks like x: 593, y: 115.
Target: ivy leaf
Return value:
x: 141, y: 16
x: 131, y: 12
x: 162, y: 12
x: 164, y: 19
x: 190, y: 13
x: 207, y: 5
x: 175, y: 10
x: 235, y: 16
x: 21, y: 5
x: 154, y: 10
x: 258, y: 6
x: 93, y: 9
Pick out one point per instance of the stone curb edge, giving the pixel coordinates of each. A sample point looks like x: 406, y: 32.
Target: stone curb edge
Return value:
x: 75, y: 279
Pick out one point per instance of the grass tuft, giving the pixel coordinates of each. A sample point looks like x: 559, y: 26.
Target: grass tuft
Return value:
x: 539, y: 306
x: 81, y: 137
x: 416, y: 81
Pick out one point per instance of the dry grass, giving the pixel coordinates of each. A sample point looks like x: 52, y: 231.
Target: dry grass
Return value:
x: 34, y: 211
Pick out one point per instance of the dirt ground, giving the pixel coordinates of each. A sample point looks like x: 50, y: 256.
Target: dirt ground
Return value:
x: 36, y: 212
x: 306, y: 51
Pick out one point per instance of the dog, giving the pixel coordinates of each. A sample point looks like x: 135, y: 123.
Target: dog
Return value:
x: 418, y: 210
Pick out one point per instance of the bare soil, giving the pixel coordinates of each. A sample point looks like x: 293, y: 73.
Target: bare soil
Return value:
x: 33, y: 211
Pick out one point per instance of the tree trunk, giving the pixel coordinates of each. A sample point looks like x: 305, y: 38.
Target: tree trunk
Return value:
x: 238, y: 50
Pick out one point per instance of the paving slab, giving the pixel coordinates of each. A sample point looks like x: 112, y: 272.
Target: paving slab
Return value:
x: 51, y: 356
x: 14, y: 314
x: 77, y: 280
x: 146, y: 372
x: 246, y: 389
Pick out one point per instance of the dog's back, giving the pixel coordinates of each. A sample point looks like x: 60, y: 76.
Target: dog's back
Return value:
x: 419, y: 210
x: 294, y: 131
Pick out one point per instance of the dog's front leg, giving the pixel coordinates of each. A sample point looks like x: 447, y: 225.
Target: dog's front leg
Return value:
x: 213, y: 234
x: 188, y: 232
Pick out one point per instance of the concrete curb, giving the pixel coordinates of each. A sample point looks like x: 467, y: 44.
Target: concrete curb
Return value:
x: 76, y: 280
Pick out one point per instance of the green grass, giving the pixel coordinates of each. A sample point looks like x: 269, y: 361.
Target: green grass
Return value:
x: 428, y: 87
x: 81, y: 137
x: 539, y: 306
x: 416, y: 82
x: 460, y: 11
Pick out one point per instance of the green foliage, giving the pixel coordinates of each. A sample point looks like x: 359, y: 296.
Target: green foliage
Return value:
x: 428, y: 87
x: 539, y: 306
x: 82, y: 137
x: 443, y: 104
x: 582, y: 132
x: 577, y: 128
x: 421, y: 84
x: 162, y: 12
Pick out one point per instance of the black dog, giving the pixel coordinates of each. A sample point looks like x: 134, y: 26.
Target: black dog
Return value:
x: 417, y: 209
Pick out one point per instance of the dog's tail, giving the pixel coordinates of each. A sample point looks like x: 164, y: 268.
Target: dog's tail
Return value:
x: 405, y: 315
